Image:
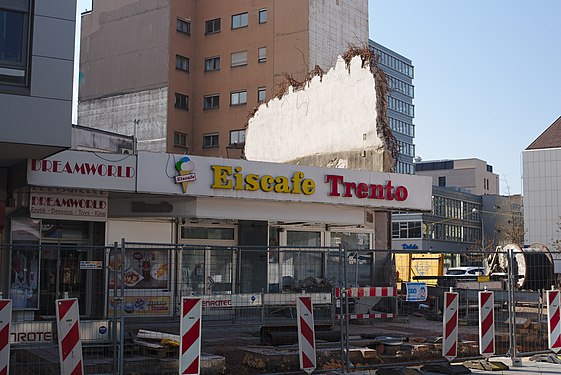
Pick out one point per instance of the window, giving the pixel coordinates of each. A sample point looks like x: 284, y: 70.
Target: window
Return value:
x: 181, y: 101
x: 239, y: 20
x: 210, y: 140
x: 211, y: 101
x: 212, y: 63
x: 262, y: 15
x: 406, y: 229
x: 181, y: 63
x: 212, y: 26
x: 239, y: 58
x: 238, y: 97
x: 237, y: 137
x: 262, y: 52
x: 14, y: 35
x: 442, y: 181
x: 180, y: 139
x: 184, y: 26
x: 261, y: 94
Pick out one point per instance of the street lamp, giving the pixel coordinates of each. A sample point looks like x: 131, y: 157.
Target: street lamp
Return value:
x: 475, y: 211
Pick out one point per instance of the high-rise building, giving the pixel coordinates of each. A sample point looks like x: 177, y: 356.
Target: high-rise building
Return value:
x: 36, y: 65
x: 401, y: 111
x: 183, y: 75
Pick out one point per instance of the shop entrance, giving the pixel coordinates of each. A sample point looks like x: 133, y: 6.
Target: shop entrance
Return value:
x: 208, y: 264
x: 60, y: 268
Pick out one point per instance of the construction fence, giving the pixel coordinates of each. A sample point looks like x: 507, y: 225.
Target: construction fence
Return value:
x: 371, y: 308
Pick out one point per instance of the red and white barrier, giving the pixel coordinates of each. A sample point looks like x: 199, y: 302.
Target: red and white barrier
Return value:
x: 554, y: 320
x: 383, y: 291
x: 69, y: 343
x: 450, y: 326
x: 306, y: 334
x: 190, y: 344
x: 366, y: 316
x: 5, y: 324
x: 486, y: 324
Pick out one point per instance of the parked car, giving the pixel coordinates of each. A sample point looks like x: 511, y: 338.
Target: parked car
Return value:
x: 465, y: 271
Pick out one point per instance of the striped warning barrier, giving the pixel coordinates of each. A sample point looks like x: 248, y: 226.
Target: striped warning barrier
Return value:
x: 382, y: 291
x: 553, y: 320
x: 5, y: 324
x: 366, y: 316
x: 69, y: 343
x: 486, y: 323
x: 450, y: 326
x: 306, y: 334
x: 190, y: 344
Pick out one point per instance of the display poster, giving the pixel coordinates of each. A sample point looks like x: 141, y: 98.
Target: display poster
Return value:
x: 142, y: 305
x: 25, y: 261
x: 143, y: 268
x: 416, y: 292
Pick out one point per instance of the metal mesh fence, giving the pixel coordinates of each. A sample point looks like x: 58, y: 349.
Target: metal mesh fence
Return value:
x: 369, y: 307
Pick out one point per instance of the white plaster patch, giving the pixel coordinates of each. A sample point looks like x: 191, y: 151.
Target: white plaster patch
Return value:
x: 336, y: 113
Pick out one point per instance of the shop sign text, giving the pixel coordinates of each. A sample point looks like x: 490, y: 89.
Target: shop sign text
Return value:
x: 62, y: 204
x: 234, y: 178
x: 226, y: 177
x: 87, y: 169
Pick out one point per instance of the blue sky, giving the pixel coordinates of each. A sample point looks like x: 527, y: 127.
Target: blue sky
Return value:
x: 487, y: 74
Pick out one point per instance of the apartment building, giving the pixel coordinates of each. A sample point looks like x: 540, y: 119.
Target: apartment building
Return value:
x: 183, y: 75
x: 399, y: 72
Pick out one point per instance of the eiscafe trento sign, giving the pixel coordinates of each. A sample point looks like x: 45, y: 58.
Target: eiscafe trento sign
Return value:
x: 68, y: 204
x: 234, y: 178
x: 87, y: 170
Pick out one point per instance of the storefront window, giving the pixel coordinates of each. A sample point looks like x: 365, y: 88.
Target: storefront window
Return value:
x: 25, y: 261
x: 359, y: 258
x: 208, y: 270
x: 303, y: 265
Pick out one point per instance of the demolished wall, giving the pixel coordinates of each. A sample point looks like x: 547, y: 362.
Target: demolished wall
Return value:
x: 335, y: 119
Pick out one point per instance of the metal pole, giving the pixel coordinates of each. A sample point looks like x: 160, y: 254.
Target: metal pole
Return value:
x: 346, y: 320
x: 341, y: 312
x: 122, y: 312
x: 115, y: 299
x: 516, y: 362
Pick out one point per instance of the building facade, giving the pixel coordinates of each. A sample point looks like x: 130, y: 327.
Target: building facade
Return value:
x: 541, y: 177
x: 453, y: 225
x: 399, y: 72
x: 36, y: 68
x: 211, y: 208
x: 472, y: 175
x: 184, y: 75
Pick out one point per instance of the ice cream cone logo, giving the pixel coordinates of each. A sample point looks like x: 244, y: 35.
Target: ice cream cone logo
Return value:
x: 185, y: 167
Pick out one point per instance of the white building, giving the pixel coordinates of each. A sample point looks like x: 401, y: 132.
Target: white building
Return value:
x: 541, y: 176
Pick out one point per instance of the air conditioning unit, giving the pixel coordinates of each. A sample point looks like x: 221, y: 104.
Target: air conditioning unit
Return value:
x: 125, y: 150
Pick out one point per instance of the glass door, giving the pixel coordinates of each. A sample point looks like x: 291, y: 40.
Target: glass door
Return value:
x: 208, y: 262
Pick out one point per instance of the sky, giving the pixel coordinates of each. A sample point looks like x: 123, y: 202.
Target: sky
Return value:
x: 487, y: 75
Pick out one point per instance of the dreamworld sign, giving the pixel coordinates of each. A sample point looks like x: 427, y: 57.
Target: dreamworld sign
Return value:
x: 81, y: 169
x: 234, y: 178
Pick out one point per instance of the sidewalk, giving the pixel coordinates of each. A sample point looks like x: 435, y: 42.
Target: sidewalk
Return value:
x: 528, y: 368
